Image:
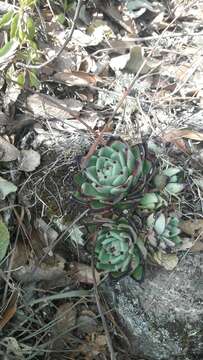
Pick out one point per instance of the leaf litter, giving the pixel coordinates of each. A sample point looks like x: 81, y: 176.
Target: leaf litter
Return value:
x: 50, y: 116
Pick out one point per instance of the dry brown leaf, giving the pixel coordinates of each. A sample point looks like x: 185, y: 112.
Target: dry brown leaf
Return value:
x: 47, y: 106
x: 193, y: 227
x: 65, y: 319
x: 76, y: 78
x: 83, y: 273
x: 174, y: 134
x: 9, y: 310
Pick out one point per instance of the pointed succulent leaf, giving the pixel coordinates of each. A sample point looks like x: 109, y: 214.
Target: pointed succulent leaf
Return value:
x: 160, y: 224
x: 174, y: 188
x: 130, y: 160
x: 79, y: 179
x: 138, y: 273
x: 171, y: 171
x: 174, y: 179
x: 148, y: 200
x: 146, y: 167
x: 151, y: 220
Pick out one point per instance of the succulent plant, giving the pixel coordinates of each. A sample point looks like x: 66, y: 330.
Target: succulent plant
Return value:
x: 169, y: 180
x: 152, y: 201
x: 119, y: 251
x: 113, y: 174
x: 163, y: 232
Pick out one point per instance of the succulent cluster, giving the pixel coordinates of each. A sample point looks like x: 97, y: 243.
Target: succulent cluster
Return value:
x: 119, y: 177
x: 163, y: 231
x: 114, y: 174
x: 118, y: 250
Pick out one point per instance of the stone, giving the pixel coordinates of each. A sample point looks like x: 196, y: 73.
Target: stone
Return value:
x: 163, y: 316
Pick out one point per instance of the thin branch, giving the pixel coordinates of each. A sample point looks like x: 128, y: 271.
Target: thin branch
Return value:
x: 69, y: 37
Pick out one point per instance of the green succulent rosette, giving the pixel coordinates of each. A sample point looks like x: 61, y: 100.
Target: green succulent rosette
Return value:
x: 118, y: 251
x: 114, y: 174
x: 163, y: 232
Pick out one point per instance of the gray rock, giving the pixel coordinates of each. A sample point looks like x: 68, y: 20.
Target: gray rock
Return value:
x: 163, y: 316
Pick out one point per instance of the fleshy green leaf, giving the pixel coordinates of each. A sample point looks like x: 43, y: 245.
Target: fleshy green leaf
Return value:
x: 160, y: 224
x: 171, y: 171
x: 146, y: 167
x: 4, y: 239
x: 148, y: 199
x: 174, y: 188
x: 138, y: 273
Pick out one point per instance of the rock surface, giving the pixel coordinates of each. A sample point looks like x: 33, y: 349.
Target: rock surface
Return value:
x: 163, y: 316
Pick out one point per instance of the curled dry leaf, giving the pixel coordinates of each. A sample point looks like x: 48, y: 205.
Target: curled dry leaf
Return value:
x: 8, y: 152
x: 9, y: 310
x: 193, y: 227
x: 175, y: 134
x: 50, y: 107
x: 76, y: 78
x: 87, y: 323
x: 168, y: 261
x: 83, y: 273
x: 65, y: 319
x: 29, y: 160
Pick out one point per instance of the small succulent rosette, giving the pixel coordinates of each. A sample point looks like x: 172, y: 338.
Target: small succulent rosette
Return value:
x: 163, y: 232
x: 113, y: 175
x: 152, y: 201
x: 118, y: 251
x: 169, y: 180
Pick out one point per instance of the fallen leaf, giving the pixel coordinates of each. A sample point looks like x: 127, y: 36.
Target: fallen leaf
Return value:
x: 29, y: 160
x: 9, y: 310
x: 65, y: 319
x: 83, y: 273
x: 86, y: 323
x: 186, y: 244
x: 6, y: 187
x: 76, y: 78
x: 8, y: 152
x: 173, y: 134
x: 168, y: 261
x: 192, y: 227
x: 48, y: 107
